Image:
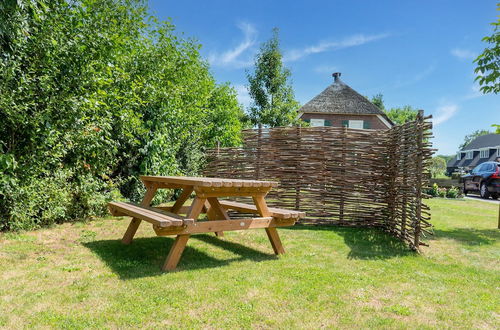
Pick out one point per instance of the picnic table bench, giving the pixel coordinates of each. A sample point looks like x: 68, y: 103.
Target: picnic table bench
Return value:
x: 182, y: 221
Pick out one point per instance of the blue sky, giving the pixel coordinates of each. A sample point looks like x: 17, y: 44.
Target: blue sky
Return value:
x: 416, y: 53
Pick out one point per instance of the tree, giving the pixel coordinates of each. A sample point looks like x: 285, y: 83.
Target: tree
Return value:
x: 488, y: 63
x: 437, y: 166
x: 92, y: 95
x: 469, y: 137
x: 497, y: 128
x: 398, y: 115
x: 378, y: 100
x: 402, y: 115
x: 273, y: 98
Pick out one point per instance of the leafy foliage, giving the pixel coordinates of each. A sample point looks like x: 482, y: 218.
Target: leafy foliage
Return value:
x: 488, y: 63
x: 94, y: 93
x: 274, y: 103
x: 437, y: 166
x: 398, y: 115
x: 469, y: 137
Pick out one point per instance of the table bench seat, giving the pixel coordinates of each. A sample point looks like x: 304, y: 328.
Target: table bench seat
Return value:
x: 152, y: 215
x: 275, y: 212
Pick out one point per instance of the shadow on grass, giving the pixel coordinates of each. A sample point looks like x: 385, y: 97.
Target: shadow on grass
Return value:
x: 145, y: 256
x: 365, y: 243
x: 468, y: 236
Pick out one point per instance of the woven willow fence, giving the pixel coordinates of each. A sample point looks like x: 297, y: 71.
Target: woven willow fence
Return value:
x: 340, y: 175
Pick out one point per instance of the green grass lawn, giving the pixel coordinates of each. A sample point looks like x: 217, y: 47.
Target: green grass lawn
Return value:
x: 79, y: 276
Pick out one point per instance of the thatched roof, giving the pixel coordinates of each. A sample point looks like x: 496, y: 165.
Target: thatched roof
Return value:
x: 341, y: 99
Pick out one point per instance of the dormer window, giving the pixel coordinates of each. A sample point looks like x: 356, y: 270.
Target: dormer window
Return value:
x: 459, y: 155
x: 484, y: 153
x: 469, y: 155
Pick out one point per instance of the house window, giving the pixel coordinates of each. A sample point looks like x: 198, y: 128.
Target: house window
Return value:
x: 356, y: 124
x: 459, y: 155
x: 469, y: 154
x: 317, y: 122
x: 484, y: 153
x: 498, y: 152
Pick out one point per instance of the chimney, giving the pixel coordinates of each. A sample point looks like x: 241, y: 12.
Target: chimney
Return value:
x: 336, y: 76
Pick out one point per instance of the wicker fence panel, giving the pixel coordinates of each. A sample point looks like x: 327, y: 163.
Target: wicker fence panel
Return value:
x: 340, y: 175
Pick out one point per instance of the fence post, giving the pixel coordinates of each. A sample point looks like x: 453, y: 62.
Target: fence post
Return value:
x: 259, y: 137
x: 342, y: 190
x: 420, y: 156
x: 299, y: 177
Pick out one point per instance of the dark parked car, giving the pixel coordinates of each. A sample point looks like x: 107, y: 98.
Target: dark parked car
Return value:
x: 484, y: 178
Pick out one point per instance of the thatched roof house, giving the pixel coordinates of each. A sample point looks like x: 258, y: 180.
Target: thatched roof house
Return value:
x: 340, y: 105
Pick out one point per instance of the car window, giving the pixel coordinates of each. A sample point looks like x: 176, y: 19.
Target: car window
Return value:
x: 476, y: 169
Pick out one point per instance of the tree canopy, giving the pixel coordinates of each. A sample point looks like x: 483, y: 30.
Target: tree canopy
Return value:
x: 398, y: 115
x: 488, y: 62
x: 93, y: 94
x: 273, y: 98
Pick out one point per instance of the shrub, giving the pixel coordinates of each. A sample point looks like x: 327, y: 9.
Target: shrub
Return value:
x: 453, y: 192
x: 92, y: 94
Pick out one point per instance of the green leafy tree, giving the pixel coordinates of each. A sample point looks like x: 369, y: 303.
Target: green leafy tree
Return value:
x: 437, y: 166
x: 497, y: 128
x: 469, y: 137
x: 378, y: 100
x: 398, y: 115
x: 92, y: 95
x: 402, y: 115
x: 274, y: 103
x: 488, y: 63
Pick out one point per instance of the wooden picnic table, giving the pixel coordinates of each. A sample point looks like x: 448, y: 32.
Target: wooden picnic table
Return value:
x: 182, y: 221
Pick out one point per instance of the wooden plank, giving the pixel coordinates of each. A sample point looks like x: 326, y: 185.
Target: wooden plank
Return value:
x: 207, y: 182
x: 275, y: 212
x: 186, y: 193
x: 216, y: 212
x: 183, y: 210
x: 196, y: 207
x: 199, y: 227
x: 272, y: 233
x: 274, y: 238
x: 149, y: 214
x: 175, y: 253
x: 134, y: 223
x: 181, y: 240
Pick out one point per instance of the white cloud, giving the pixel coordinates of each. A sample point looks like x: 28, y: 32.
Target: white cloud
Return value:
x: 232, y: 57
x: 444, y: 113
x: 352, y: 41
x: 463, y: 54
x: 474, y: 93
x: 243, y: 96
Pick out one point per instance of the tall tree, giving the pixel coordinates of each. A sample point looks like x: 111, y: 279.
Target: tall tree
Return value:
x: 398, y: 115
x: 468, y: 138
x: 437, y: 166
x: 401, y: 115
x: 488, y: 63
x: 273, y: 98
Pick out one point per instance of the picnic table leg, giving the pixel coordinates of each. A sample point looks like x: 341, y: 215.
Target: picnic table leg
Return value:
x: 181, y: 240
x: 186, y: 192
x: 134, y: 224
x: 216, y: 212
x: 272, y: 233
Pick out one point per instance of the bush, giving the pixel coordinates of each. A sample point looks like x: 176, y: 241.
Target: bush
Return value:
x: 93, y: 94
x: 453, y: 192
x: 436, y: 191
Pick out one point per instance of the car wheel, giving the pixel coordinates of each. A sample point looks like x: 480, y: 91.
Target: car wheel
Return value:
x: 484, y: 191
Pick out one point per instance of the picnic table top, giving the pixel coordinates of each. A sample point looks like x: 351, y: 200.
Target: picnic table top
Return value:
x: 208, y: 182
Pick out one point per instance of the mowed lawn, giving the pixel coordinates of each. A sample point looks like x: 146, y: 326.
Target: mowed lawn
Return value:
x: 80, y: 276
